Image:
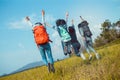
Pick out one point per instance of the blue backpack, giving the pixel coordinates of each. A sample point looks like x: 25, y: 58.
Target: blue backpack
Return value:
x: 65, y: 36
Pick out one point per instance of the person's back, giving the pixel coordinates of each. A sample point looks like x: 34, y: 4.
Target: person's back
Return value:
x: 65, y: 36
x: 40, y: 34
x: 42, y: 40
x: 61, y: 27
x: 87, y: 37
x: 85, y: 29
x: 72, y: 33
x: 62, y: 30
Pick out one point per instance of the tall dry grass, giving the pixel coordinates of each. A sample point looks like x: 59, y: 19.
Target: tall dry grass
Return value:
x: 74, y: 68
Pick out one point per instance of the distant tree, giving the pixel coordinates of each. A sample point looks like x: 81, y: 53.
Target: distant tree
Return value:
x: 110, y: 32
x: 58, y: 60
x: 106, y: 25
x: 118, y: 23
x: 117, y: 28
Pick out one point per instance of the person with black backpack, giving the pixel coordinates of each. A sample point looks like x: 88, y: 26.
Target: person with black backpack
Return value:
x: 87, y: 38
x: 42, y: 40
x: 74, y: 42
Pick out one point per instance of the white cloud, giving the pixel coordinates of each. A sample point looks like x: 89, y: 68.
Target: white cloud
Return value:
x: 50, y: 18
x: 22, y: 24
x: 20, y: 45
x: 95, y: 30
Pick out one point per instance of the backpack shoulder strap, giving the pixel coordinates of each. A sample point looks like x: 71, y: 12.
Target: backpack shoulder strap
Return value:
x: 79, y: 25
x: 58, y: 29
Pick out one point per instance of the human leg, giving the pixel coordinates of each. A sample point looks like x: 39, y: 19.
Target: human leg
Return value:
x: 64, y: 48
x: 93, y: 50
x: 49, y: 53
x: 50, y: 57
x: 68, y: 45
x: 43, y: 55
x: 88, y: 50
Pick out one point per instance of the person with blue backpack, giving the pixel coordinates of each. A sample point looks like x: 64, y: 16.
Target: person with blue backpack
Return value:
x: 61, y: 27
x: 65, y: 36
x: 87, y: 38
x: 42, y: 40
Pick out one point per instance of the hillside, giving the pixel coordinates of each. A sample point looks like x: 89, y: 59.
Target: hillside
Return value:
x: 74, y: 68
x: 29, y: 66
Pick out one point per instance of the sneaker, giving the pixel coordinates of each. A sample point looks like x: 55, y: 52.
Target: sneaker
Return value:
x: 70, y: 55
x: 97, y: 56
x: 90, y: 57
x: 78, y: 55
x: 69, y: 52
x: 82, y: 56
x: 52, y: 68
x: 65, y: 51
x: 65, y: 54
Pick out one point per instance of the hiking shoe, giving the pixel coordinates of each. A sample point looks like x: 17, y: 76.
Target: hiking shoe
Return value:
x: 65, y: 54
x: 90, y: 57
x: 78, y: 55
x: 49, y: 70
x: 69, y: 52
x: 82, y: 56
x: 97, y: 56
x: 70, y: 55
x: 52, y: 68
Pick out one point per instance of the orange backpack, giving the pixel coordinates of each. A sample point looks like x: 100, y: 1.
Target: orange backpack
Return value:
x: 40, y: 35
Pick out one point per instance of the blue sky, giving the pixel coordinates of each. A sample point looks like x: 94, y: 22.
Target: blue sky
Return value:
x: 17, y: 46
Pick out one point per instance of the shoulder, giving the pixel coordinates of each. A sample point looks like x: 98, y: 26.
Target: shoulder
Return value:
x: 85, y: 23
x: 79, y: 25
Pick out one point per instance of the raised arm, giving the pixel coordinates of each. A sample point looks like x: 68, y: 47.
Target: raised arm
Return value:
x: 72, y: 21
x: 28, y: 20
x: 43, y: 18
x: 66, y: 16
x: 82, y: 18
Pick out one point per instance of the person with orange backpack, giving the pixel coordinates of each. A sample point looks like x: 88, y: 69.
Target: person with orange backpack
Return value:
x: 42, y: 40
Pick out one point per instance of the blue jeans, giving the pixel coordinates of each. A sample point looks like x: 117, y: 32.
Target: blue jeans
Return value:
x: 76, y: 46
x: 89, y: 45
x: 45, y: 51
x: 66, y: 47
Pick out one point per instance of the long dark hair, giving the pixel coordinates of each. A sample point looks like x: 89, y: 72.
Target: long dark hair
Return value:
x: 39, y: 23
x: 63, y: 22
x: 60, y: 22
x: 71, y: 29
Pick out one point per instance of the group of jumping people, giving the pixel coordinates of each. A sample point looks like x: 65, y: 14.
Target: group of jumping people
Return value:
x: 68, y: 39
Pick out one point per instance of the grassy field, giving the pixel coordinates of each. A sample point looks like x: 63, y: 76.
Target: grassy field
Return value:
x: 74, y: 68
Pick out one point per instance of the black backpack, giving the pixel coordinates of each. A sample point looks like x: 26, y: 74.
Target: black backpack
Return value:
x: 85, y: 28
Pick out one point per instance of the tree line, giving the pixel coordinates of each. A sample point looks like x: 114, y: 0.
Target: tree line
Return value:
x: 110, y: 32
